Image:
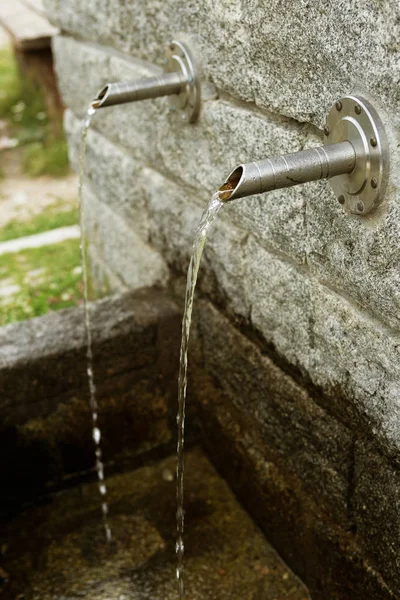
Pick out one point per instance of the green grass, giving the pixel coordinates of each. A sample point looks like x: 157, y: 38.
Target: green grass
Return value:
x: 10, y: 84
x: 22, y: 105
x: 46, y: 158
x: 51, y: 219
x: 49, y: 278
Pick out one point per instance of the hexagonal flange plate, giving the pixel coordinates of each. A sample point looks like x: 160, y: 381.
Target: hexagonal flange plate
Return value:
x: 354, y: 119
x: 179, y: 59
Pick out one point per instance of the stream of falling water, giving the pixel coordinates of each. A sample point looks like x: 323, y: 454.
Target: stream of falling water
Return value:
x: 89, y: 351
x: 213, y: 208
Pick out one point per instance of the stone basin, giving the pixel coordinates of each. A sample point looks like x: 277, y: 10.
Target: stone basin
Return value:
x: 52, y: 540
x: 57, y: 550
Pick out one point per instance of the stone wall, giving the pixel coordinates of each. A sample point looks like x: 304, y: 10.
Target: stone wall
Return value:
x: 45, y: 428
x: 300, y: 324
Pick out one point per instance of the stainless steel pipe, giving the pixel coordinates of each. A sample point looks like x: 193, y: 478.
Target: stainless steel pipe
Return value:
x: 355, y: 158
x: 288, y: 170
x: 167, y: 84
x: 180, y: 81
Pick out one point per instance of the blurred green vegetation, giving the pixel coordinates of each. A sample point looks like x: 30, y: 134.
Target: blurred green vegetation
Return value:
x: 46, y: 158
x: 40, y: 280
x: 54, y: 217
x: 22, y: 106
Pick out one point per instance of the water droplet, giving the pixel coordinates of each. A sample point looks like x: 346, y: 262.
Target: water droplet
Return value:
x: 108, y: 533
x: 100, y: 471
x: 167, y: 475
x: 96, y: 434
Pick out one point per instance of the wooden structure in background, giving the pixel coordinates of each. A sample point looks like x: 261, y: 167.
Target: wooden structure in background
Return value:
x: 31, y: 34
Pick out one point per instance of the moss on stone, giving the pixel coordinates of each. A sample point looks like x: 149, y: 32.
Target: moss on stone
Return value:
x: 58, y: 551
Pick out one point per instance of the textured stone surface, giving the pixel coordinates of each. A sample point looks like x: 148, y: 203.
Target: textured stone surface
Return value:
x: 260, y: 51
x: 357, y: 362
x: 377, y: 508
x: 44, y: 358
x: 326, y: 556
x: 58, y: 551
x: 46, y: 424
x: 117, y: 244
x: 313, y: 443
x: 357, y: 257
x: 104, y: 280
x: 124, y: 192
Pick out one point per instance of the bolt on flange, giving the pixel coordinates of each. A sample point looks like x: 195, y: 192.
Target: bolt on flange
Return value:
x: 180, y: 60
x: 353, y: 119
x: 355, y: 158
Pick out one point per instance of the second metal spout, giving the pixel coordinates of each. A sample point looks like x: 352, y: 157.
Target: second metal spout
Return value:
x: 141, y: 89
x: 355, y: 158
x: 179, y: 81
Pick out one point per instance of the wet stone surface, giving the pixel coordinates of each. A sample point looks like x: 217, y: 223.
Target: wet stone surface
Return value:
x: 57, y: 551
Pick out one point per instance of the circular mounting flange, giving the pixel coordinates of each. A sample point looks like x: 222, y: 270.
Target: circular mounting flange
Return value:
x: 353, y: 119
x: 179, y: 60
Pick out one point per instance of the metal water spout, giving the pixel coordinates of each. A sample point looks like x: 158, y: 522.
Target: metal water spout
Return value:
x: 355, y: 158
x: 180, y: 81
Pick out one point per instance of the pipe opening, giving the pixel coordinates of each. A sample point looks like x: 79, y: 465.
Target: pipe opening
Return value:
x: 101, y: 96
x: 228, y: 188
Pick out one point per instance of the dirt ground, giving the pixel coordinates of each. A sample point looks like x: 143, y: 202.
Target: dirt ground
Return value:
x: 22, y: 197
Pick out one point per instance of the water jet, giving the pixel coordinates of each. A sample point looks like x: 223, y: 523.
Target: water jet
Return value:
x: 180, y: 82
